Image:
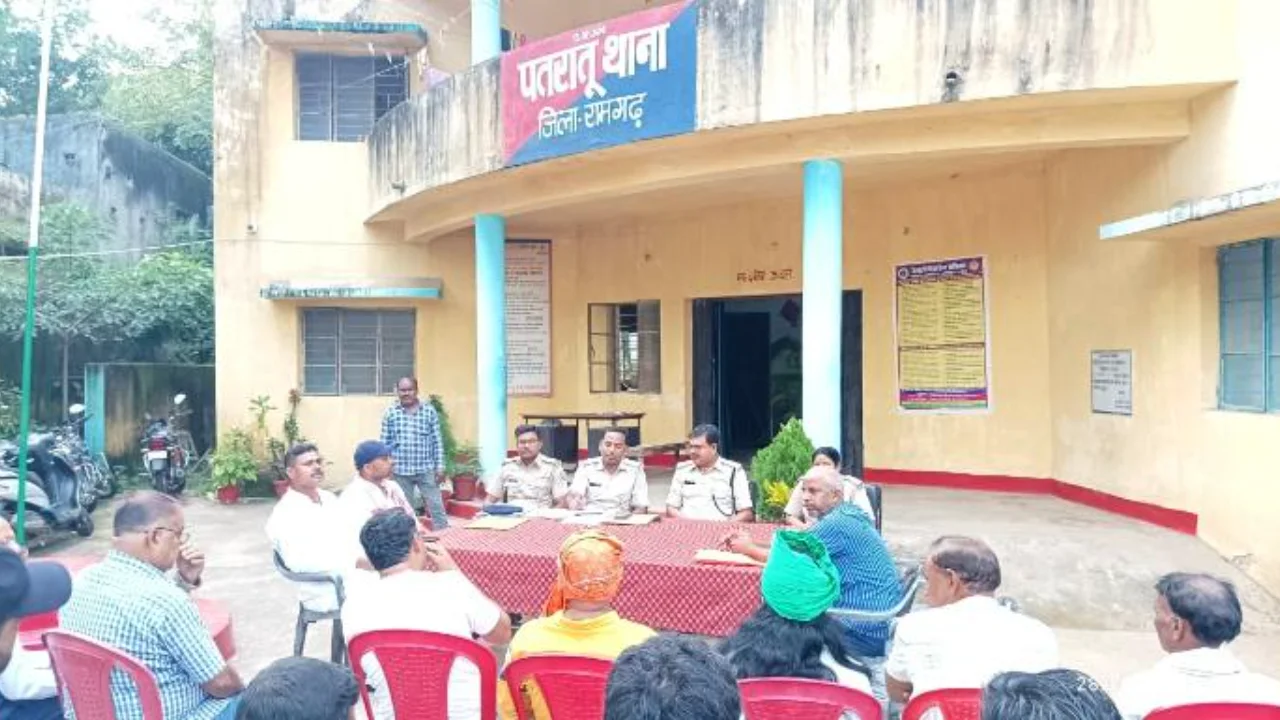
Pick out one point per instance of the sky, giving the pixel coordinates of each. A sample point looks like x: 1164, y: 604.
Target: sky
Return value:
x: 124, y: 21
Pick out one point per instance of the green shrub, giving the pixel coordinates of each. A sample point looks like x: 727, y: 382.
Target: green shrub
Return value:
x: 233, y: 462
x: 777, y: 467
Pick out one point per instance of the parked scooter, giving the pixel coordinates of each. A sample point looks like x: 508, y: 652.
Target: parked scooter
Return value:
x: 53, y: 488
x: 162, y: 456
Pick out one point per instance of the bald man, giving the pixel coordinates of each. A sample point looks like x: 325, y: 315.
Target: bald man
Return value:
x: 868, y: 577
x: 128, y: 602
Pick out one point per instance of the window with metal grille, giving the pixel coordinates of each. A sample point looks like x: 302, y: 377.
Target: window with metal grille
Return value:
x: 341, y: 97
x: 1249, y: 300
x: 624, y: 347
x: 355, y: 352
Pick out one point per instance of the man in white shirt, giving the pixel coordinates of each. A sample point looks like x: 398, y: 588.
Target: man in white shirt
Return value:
x: 371, y: 490
x: 306, y: 528
x: 1196, y: 617
x: 707, y: 486
x: 612, y: 483
x: 966, y: 637
x: 420, y: 588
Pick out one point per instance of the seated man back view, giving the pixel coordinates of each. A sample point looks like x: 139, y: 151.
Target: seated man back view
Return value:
x: 1196, y: 617
x: 129, y: 603
x: 579, y: 618
x: 300, y: 688
x: 669, y: 677
x: 419, y: 588
x: 967, y: 636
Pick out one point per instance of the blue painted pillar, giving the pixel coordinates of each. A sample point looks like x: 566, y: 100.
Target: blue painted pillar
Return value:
x: 491, y: 341
x: 823, y: 299
x: 486, y: 30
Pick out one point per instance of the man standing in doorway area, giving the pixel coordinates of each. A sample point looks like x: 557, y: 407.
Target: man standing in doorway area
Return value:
x: 530, y: 479
x: 707, y: 486
x: 411, y: 428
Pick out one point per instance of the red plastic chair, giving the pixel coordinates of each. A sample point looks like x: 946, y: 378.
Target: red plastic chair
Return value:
x: 416, y: 667
x: 802, y: 699
x: 572, y: 685
x: 954, y: 704
x: 1218, y: 711
x: 83, y: 668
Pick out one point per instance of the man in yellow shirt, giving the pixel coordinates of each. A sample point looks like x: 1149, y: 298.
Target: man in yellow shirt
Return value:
x: 579, y: 615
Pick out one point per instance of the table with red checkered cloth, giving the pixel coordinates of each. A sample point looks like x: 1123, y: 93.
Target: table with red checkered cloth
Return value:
x: 662, y: 586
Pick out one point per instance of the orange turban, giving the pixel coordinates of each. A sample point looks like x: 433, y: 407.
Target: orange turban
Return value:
x: 589, y: 568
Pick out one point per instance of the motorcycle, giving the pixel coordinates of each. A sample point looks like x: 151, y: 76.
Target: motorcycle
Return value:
x: 163, y: 456
x: 97, y: 480
x: 53, y: 488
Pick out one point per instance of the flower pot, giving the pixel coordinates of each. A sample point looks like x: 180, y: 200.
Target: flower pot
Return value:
x: 464, y: 488
x: 229, y: 495
x: 280, y: 486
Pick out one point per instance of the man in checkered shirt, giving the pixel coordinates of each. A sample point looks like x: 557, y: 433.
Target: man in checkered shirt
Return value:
x: 128, y: 602
x: 411, y: 428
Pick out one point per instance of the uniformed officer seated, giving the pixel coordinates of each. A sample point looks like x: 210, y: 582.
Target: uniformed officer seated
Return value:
x: 611, y: 483
x: 530, y: 479
x: 707, y: 486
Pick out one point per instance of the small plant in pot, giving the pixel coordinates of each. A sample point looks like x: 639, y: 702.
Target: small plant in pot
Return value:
x: 233, y: 464
x: 778, y: 466
x: 464, y: 473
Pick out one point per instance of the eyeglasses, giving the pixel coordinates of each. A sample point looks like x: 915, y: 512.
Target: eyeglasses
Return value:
x: 182, y: 534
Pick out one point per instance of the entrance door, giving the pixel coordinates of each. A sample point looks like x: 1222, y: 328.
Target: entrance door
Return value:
x: 744, y: 383
x: 741, y: 368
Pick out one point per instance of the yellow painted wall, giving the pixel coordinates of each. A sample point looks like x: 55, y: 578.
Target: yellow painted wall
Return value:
x: 677, y: 259
x: 1056, y: 293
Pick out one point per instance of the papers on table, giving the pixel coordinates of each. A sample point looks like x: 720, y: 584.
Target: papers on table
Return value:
x: 496, y: 522
x: 551, y: 513
x: 644, y: 519
x: 724, y: 557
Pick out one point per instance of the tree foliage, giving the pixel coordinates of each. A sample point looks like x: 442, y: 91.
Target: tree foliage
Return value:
x: 77, y: 68
x: 167, y: 98
x: 164, y: 301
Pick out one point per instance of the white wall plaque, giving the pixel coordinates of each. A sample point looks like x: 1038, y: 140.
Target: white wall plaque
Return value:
x: 1111, y: 375
x: 528, y: 317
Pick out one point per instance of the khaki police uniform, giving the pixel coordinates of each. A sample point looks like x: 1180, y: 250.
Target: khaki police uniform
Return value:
x: 717, y: 493
x: 539, y: 484
x: 623, y: 489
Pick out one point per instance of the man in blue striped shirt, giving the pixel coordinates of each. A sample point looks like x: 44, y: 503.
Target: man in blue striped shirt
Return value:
x: 868, y: 577
x: 411, y: 428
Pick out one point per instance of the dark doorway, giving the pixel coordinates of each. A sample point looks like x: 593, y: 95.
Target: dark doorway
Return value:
x: 747, y: 378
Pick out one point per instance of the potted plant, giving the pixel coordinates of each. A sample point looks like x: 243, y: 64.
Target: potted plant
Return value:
x: 778, y: 466
x: 464, y: 473
x: 233, y: 464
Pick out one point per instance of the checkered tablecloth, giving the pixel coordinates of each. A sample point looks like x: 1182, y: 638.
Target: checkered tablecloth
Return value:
x: 662, y: 587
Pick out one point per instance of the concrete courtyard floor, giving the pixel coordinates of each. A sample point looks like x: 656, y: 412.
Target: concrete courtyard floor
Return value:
x: 1087, y: 573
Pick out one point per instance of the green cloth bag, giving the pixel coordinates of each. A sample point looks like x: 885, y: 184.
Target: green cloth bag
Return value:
x: 799, y: 581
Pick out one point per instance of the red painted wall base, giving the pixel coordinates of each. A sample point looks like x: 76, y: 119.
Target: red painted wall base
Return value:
x: 1177, y: 520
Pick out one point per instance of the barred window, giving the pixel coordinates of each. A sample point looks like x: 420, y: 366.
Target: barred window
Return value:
x: 625, y: 347
x: 341, y: 97
x: 356, y: 352
x: 1249, y: 302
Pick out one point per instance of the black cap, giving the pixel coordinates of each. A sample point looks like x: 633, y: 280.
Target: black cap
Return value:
x: 30, y: 588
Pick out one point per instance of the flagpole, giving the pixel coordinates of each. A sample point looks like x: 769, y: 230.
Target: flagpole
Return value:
x: 33, y: 254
